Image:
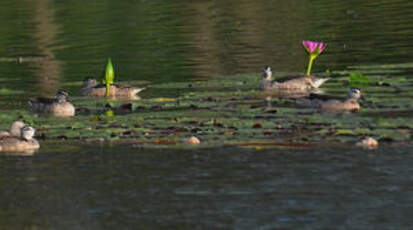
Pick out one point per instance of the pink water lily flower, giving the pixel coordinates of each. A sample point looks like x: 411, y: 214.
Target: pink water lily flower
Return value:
x: 313, y: 47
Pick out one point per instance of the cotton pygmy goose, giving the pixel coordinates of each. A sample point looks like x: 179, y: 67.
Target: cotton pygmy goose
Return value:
x: 59, y: 106
x: 289, y: 83
x: 24, y: 142
x: 328, y: 103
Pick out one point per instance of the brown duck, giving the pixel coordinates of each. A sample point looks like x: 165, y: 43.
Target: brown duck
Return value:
x: 59, y: 106
x: 24, y: 142
x: 289, y: 83
x: 15, y: 130
x: 93, y: 89
x: 327, y: 103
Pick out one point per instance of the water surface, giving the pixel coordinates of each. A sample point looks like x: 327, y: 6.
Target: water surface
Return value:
x: 174, y: 41
x: 84, y: 186
x: 230, y: 188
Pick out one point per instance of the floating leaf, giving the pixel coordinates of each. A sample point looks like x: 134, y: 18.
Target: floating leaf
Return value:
x: 94, y: 118
x: 344, y: 132
x: 163, y: 99
x: 5, y: 91
x: 109, y: 113
x: 358, y: 80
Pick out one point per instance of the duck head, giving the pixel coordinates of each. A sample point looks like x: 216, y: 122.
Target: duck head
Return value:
x: 354, y: 94
x: 89, y: 82
x: 62, y: 96
x: 267, y: 74
x: 27, y: 133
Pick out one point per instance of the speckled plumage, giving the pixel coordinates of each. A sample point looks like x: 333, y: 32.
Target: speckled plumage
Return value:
x: 92, y: 89
x: 24, y: 142
x: 59, y: 106
x: 324, y: 103
x: 293, y: 83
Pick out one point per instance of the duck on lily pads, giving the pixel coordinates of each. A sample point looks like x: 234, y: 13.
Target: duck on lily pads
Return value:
x: 108, y: 88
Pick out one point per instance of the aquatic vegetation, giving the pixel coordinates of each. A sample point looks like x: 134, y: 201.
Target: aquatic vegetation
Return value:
x: 358, y: 80
x: 5, y: 91
x: 230, y: 111
x: 313, y: 49
x: 109, y: 76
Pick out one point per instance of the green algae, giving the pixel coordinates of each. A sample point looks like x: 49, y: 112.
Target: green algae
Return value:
x: 229, y: 111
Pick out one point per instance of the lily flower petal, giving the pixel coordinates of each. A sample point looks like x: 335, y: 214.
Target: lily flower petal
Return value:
x: 313, y: 47
x: 310, y: 46
x: 321, y: 47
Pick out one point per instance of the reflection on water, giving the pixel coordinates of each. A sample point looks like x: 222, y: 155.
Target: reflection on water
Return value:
x: 207, y: 189
x: 158, y: 41
x: 48, y: 71
x: 162, y: 41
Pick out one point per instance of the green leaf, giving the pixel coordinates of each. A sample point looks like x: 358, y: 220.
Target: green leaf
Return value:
x: 109, y: 73
x: 358, y: 80
x: 109, y: 76
x: 344, y: 132
x: 109, y: 113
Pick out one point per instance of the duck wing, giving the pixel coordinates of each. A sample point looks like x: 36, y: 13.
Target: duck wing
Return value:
x: 323, y: 97
x: 122, y: 86
x: 288, y: 78
x: 118, y: 86
x: 44, y: 100
x: 99, y: 86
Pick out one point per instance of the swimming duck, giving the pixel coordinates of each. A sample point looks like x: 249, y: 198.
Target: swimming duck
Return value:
x: 59, y: 106
x: 24, y: 142
x: 93, y: 89
x: 289, y: 83
x: 14, y: 131
x: 327, y: 103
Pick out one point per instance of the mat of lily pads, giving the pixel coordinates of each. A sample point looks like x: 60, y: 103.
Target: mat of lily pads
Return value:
x: 230, y: 110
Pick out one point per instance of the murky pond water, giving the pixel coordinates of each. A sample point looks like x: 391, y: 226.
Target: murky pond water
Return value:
x: 227, y: 188
x: 47, y: 45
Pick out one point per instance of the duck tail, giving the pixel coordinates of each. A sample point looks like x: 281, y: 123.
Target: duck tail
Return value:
x: 319, y: 81
x: 137, y: 90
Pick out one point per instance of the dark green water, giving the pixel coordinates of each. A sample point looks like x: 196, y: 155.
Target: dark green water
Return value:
x: 73, y: 186
x: 176, y: 40
x: 226, y: 188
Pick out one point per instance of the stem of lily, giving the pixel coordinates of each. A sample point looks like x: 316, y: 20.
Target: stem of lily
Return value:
x: 107, y: 90
x: 310, y: 63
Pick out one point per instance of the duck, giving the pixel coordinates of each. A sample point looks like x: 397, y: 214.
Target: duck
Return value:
x: 59, y: 106
x: 328, y: 103
x: 93, y: 89
x: 289, y: 83
x: 14, y: 131
x: 24, y: 142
